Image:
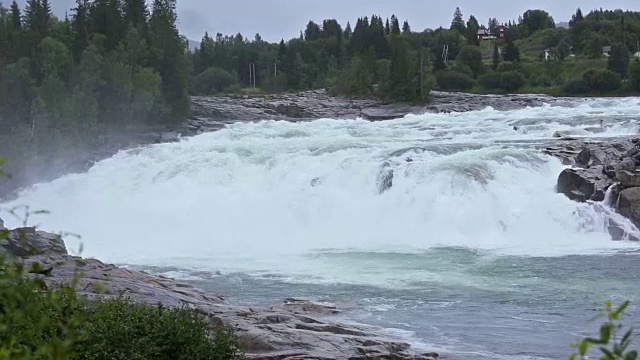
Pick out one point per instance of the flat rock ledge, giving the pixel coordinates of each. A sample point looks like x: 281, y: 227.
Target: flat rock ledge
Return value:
x: 210, y: 113
x: 602, y: 171
x: 295, y: 329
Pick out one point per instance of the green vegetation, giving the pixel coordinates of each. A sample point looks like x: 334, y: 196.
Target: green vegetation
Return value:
x: 38, y: 323
x: 65, y: 83
x: 609, y: 343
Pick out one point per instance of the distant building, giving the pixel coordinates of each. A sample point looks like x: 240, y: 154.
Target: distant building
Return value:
x: 606, y: 51
x: 502, y: 31
x: 486, y: 34
x: 549, y: 55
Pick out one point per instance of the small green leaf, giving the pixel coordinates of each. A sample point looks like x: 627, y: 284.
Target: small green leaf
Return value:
x: 583, y: 348
x: 608, y: 353
x: 631, y: 355
x: 616, y: 314
x: 605, y: 333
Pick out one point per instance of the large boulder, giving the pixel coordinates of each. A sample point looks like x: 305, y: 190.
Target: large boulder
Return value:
x: 629, y: 204
x: 628, y: 179
x: 583, y: 184
x: 27, y: 242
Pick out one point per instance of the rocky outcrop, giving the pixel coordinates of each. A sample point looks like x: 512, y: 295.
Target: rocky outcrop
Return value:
x: 215, y: 111
x: 599, y: 166
x: 296, y: 329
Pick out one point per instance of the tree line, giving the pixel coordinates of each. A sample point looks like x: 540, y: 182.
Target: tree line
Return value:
x: 384, y: 57
x: 110, y: 65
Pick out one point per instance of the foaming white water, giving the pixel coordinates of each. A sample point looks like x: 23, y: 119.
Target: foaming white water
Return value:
x: 245, y: 197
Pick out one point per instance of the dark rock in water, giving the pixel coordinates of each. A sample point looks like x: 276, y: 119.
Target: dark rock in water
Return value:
x: 583, y: 158
x: 626, y: 164
x: 617, y: 232
x: 628, y: 179
x: 302, y: 306
x: 629, y: 204
x: 27, y: 242
x: 385, y: 180
x: 315, y: 182
x: 610, y: 171
x: 583, y: 184
x: 384, y: 113
x: 291, y: 110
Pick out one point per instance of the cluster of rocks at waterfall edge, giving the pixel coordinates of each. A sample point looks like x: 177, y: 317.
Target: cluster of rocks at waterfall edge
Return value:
x: 598, y: 166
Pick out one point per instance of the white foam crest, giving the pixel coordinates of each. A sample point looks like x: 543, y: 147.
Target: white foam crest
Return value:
x: 245, y: 197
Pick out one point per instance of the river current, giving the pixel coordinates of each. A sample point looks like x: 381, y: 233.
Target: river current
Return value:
x: 470, y: 252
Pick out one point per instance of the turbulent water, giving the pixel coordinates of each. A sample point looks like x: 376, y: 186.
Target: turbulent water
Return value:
x: 470, y: 252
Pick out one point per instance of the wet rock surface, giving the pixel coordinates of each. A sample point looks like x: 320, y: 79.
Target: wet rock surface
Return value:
x: 212, y: 112
x: 596, y: 166
x: 295, y: 329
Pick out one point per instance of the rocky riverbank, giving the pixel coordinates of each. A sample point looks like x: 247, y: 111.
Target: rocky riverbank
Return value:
x: 295, y: 329
x: 602, y: 171
x: 213, y: 112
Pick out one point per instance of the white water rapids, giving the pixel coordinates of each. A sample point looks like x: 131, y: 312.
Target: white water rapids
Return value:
x: 267, y: 196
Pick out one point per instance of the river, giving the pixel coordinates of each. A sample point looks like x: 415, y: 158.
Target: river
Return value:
x: 470, y: 252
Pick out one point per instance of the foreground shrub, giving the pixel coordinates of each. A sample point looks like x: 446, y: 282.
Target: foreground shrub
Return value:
x: 55, y: 324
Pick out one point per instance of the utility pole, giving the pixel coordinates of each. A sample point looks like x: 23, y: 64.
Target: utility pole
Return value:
x: 421, y: 73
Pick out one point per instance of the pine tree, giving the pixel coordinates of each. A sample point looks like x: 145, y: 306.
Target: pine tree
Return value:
x: 496, y: 57
x: 400, y: 84
x: 395, y: 25
x: 472, y: 30
x: 347, y: 31
x: 105, y: 17
x: 406, y: 29
x: 80, y: 29
x: 136, y: 13
x: 16, y: 17
x: 387, y: 28
x: 511, y: 52
x: 458, y: 22
x: 619, y: 60
x: 169, y: 58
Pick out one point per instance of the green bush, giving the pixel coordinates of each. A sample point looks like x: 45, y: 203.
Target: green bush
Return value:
x: 490, y: 80
x: 144, y: 332
x: 56, y: 324
x: 212, y: 81
x: 578, y: 86
x: 512, y: 80
x: 451, y: 80
x: 600, y: 80
x: 508, y: 66
x: 634, y: 75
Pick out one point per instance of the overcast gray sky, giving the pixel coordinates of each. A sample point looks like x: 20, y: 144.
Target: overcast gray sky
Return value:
x: 276, y: 19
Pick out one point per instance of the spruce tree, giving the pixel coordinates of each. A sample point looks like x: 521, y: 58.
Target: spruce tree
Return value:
x: 80, y: 29
x: 387, y: 28
x: 136, y: 13
x: 458, y: 22
x: 496, y: 57
x: 472, y: 30
x: 406, y: 29
x: 16, y: 17
x: 395, y: 25
x: 400, y: 84
x: 169, y: 58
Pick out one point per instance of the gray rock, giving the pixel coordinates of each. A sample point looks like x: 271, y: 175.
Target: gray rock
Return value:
x: 27, y: 241
x: 384, y: 113
x: 629, y: 204
x: 584, y: 157
x: 628, y: 179
x: 583, y: 184
x: 2, y: 224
